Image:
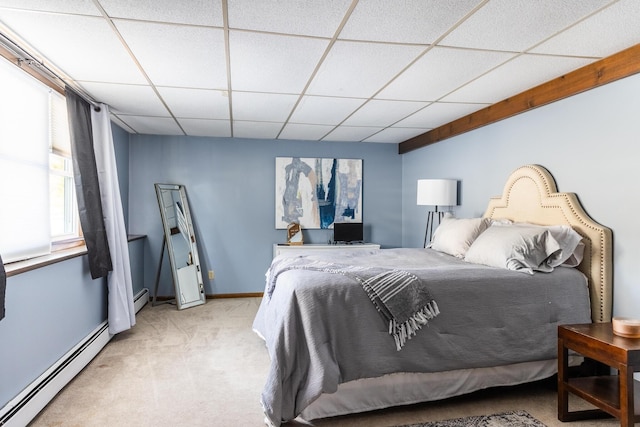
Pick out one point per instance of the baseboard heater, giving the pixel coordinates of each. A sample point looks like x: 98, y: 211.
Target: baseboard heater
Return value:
x: 25, y: 406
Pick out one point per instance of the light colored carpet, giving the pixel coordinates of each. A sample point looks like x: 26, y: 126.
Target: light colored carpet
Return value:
x: 204, y: 366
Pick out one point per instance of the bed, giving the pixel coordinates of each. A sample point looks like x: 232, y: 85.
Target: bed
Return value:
x: 339, y: 345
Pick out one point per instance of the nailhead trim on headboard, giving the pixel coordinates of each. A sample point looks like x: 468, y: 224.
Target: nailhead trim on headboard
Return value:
x: 553, y: 208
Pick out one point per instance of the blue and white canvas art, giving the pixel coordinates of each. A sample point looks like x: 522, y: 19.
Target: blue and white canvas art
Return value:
x: 316, y: 192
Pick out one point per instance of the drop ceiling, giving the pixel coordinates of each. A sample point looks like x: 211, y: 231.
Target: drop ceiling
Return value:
x: 323, y: 70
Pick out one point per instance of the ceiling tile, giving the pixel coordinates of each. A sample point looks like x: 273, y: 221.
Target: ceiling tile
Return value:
x: 198, y: 12
x: 200, y: 127
x: 79, y: 7
x: 440, y: 71
x: 351, y: 133
x: 518, y: 75
x: 395, y: 135
x: 325, y: 110
x: 383, y: 113
x: 258, y: 130
x: 265, y: 107
x: 305, y: 132
x: 196, y: 103
x: 129, y: 99
x: 152, y: 125
x: 438, y: 114
x: 115, y: 119
x: 84, y: 48
x: 409, y: 21
x: 273, y: 63
x: 517, y: 25
x: 288, y: 16
x: 612, y: 30
x: 343, y: 71
x: 197, y: 54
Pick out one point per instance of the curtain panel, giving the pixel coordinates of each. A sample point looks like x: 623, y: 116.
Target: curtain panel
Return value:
x: 87, y: 185
x: 3, y: 287
x: 121, y: 310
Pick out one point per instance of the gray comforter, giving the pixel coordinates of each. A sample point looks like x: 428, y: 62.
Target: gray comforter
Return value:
x: 321, y: 329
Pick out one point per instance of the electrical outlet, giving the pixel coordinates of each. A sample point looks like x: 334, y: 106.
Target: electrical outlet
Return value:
x: 211, y: 275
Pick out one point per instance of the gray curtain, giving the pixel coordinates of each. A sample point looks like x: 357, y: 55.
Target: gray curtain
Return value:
x: 3, y: 287
x: 87, y: 187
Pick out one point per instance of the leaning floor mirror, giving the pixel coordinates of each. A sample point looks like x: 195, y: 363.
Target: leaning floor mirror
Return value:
x: 180, y: 243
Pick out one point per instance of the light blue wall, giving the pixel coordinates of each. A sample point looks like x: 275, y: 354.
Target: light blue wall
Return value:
x: 121, y: 148
x: 230, y: 187
x: 48, y: 311
x: 589, y: 144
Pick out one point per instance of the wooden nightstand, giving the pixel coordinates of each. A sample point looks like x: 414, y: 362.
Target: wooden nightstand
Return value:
x: 613, y: 394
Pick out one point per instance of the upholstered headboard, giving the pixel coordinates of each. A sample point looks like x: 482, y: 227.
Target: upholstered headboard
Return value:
x: 530, y: 195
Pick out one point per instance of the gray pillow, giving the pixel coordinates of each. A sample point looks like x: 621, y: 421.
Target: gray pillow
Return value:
x: 571, y: 246
x: 519, y: 248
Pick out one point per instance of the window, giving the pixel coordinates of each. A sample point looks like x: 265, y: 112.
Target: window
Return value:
x: 62, y: 202
x: 37, y: 203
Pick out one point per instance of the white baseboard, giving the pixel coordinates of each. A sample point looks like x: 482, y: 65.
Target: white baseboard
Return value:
x: 25, y: 406
x: 141, y: 299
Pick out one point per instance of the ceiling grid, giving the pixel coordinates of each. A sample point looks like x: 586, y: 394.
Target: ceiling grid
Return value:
x: 322, y: 70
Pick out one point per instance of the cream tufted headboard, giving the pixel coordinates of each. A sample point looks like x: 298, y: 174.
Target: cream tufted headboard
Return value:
x: 530, y: 195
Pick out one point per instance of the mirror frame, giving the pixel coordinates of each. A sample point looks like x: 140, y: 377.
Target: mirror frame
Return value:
x: 169, y: 233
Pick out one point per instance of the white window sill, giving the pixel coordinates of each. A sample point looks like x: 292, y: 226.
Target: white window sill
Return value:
x: 15, y: 268
x: 18, y: 267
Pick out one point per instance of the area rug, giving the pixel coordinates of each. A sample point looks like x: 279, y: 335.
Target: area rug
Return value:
x: 504, y: 419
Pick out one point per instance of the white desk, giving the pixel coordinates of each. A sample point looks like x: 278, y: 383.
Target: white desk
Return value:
x: 308, y: 248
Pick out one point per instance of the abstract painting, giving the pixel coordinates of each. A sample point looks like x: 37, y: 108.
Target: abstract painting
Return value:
x: 316, y: 192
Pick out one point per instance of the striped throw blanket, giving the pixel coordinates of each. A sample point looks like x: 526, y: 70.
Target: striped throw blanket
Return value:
x: 400, y: 296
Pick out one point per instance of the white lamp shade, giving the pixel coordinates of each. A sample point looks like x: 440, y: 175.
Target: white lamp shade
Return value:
x: 437, y: 192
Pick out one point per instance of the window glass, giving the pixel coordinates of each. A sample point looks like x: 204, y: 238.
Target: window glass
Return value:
x: 64, y: 218
x: 63, y: 208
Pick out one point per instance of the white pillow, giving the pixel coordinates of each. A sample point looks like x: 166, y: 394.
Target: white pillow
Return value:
x: 572, y: 248
x: 518, y: 248
x: 454, y: 235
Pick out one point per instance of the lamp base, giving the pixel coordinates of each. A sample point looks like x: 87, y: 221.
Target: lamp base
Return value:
x: 428, y: 234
